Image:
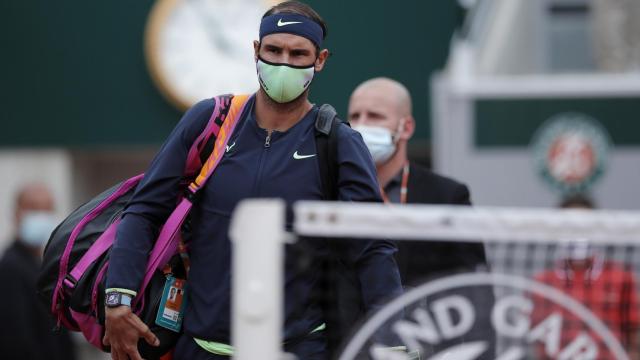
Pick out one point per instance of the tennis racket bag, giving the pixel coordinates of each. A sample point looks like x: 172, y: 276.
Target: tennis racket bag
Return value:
x: 76, y: 258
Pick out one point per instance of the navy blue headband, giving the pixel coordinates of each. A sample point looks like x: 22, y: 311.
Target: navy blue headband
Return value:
x: 292, y: 24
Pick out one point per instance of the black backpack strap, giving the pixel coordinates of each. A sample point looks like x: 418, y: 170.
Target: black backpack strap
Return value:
x: 327, y: 123
x: 325, y: 117
x: 341, y: 297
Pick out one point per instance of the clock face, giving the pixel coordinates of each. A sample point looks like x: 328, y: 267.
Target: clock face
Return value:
x: 198, y: 49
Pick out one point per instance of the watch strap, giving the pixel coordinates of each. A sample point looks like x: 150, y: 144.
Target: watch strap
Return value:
x: 121, y: 290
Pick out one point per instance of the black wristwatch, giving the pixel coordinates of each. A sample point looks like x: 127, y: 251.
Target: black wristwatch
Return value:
x: 115, y: 299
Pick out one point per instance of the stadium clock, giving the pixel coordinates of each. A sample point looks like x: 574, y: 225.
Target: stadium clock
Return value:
x: 197, y: 49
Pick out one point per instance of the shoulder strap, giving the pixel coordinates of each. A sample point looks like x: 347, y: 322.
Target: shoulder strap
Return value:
x: 225, y: 127
x: 203, y: 145
x: 324, y: 120
x: 341, y: 305
x: 326, y: 125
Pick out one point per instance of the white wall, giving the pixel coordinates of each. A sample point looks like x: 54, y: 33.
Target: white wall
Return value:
x: 97, y: 170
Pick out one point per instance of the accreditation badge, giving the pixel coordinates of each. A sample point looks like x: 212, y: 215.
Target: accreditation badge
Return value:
x: 172, y: 304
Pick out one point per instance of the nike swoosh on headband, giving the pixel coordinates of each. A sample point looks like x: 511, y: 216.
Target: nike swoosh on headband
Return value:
x: 298, y: 156
x: 285, y: 23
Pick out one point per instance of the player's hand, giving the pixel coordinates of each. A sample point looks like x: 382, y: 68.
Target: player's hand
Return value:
x: 123, y: 329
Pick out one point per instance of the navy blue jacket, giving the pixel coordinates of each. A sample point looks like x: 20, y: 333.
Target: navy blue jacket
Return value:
x: 249, y: 169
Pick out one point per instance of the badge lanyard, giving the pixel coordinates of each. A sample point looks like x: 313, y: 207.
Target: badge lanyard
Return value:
x: 403, y: 186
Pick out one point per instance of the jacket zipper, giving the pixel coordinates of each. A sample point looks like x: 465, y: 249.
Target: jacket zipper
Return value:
x: 258, y: 180
x: 267, y: 141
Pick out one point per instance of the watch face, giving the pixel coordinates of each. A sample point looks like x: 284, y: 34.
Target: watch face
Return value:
x: 198, y: 49
x: 113, y: 299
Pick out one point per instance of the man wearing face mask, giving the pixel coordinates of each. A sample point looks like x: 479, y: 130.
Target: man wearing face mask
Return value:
x: 271, y: 154
x: 380, y: 109
x: 26, y: 332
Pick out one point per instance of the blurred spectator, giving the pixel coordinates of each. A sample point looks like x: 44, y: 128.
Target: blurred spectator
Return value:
x: 26, y: 333
x: 576, y: 201
x: 381, y: 110
x: 605, y: 287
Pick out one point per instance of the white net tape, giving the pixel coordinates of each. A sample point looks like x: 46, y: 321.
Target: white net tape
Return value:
x: 422, y: 222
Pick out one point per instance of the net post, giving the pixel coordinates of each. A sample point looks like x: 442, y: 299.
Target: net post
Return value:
x: 257, y: 234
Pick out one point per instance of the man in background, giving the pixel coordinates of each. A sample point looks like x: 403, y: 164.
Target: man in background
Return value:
x: 577, y: 201
x: 381, y: 110
x: 605, y: 286
x: 27, y: 330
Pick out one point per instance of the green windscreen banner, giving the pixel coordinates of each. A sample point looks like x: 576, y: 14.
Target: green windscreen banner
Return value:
x: 76, y: 76
x: 514, y: 122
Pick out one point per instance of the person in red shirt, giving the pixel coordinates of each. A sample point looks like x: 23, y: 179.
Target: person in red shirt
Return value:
x: 605, y: 287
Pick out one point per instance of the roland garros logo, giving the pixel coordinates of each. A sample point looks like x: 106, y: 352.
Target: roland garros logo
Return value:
x: 570, y: 151
x: 439, y: 319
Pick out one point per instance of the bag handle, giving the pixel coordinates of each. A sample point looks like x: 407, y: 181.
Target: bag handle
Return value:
x: 167, y: 243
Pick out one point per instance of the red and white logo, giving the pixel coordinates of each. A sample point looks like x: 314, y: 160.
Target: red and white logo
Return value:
x: 570, y: 151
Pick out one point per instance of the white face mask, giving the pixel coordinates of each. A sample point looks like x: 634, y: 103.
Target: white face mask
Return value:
x: 379, y: 141
x: 36, y: 227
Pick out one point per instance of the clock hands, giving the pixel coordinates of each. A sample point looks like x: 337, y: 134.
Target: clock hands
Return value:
x: 213, y: 28
x: 194, y: 39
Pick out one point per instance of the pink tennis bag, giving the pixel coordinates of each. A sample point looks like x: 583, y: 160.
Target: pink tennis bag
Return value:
x: 76, y: 258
